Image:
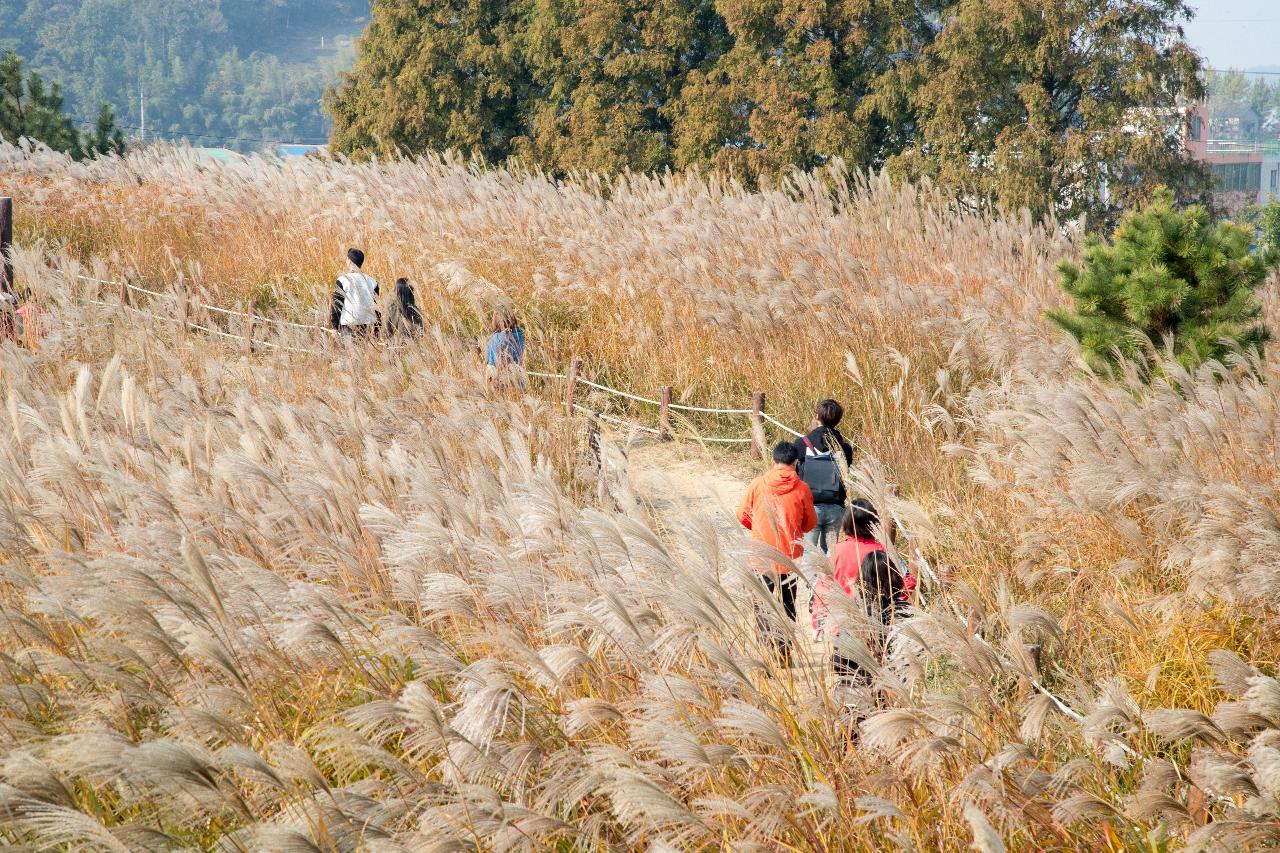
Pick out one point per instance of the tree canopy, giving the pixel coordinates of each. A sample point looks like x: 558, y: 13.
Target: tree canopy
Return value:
x: 1066, y: 107
x: 31, y: 108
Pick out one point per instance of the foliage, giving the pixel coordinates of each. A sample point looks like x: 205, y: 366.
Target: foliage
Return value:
x: 32, y: 109
x: 1269, y: 228
x: 1058, y: 107
x: 219, y: 72
x: 1170, y: 276
x: 745, y: 85
x: 1265, y: 222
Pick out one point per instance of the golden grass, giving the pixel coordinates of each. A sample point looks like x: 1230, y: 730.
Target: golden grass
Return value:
x: 358, y: 600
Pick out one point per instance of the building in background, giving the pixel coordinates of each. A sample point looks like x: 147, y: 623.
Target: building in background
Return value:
x: 1236, y: 133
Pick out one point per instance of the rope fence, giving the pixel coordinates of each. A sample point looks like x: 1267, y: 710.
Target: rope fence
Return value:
x: 758, y: 417
x: 186, y: 304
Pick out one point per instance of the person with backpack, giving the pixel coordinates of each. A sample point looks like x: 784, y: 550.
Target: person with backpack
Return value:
x: 778, y: 510
x: 354, y: 308
x: 878, y: 586
x: 822, y: 473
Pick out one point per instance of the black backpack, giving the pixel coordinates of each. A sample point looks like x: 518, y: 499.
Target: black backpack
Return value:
x: 820, y: 473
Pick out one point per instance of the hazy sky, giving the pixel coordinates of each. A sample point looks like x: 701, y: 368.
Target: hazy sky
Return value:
x: 1236, y: 33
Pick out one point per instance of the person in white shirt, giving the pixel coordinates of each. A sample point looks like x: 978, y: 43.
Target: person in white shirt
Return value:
x: 355, y: 299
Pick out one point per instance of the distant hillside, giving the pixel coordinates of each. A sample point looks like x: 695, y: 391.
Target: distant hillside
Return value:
x: 233, y: 73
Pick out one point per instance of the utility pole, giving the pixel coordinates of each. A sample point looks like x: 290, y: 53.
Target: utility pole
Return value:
x: 142, y: 101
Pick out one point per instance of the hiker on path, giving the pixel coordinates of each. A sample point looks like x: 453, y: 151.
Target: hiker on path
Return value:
x: 858, y: 525
x: 778, y: 510
x: 404, y: 318
x: 504, y: 356
x: 821, y: 472
x: 863, y: 570
x: 355, y: 300
x: 878, y: 585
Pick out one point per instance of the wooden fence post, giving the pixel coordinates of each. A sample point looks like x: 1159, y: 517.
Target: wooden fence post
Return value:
x: 6, y: 244
x: 664, y: 415
x: 184, y: 296
x: 571, y: 383
x: 248, y: 329
x: 124, y: 292
x: 758, y: 449
x: 593, y: 440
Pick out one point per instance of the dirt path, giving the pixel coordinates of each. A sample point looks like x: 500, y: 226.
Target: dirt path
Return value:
x: 677, y: 484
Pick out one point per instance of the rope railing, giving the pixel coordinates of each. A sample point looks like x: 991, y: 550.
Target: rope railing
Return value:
x: 203, y: 306
x: 573, y: 377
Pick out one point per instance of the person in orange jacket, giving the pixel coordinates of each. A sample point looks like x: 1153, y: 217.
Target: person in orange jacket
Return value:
x: 778, y: 510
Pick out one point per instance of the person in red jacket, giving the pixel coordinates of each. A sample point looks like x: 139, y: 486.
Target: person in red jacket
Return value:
x: 778, y: 510
x: 859, y: 541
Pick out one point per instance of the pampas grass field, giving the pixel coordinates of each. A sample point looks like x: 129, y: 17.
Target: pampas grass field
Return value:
x: 326, y: 597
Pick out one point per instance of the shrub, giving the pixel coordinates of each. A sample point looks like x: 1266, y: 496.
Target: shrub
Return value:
x: 1168, y: 276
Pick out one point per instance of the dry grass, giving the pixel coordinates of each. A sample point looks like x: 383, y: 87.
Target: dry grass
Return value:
x: 351, y: 599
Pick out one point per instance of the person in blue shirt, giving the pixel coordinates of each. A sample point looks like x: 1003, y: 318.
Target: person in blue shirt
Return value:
x: 505, y: 356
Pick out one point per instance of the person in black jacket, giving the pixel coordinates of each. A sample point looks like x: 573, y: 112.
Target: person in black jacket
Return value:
x: 818, y: 469
x: 403, y: 318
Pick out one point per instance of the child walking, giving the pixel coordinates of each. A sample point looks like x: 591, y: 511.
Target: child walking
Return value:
x: 504, y: 357
x: 862, y: 569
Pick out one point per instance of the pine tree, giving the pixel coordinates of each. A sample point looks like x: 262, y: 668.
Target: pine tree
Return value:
x: 106, y: 138
x: 32, y: 109
x: 1168, y: 275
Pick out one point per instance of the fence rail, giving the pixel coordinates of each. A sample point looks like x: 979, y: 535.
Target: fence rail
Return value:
x: 185, y: 305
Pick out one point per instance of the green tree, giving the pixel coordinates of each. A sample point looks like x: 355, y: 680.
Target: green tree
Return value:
x: 1227, y: 88
x: 106, y: 137
x: 756, y: 86
x: 793, y: 89
x: 1064, y: 107
x: 32, y: 109
x: 1269, y: 227
x: 1168, y: 275
x: 603, y: 77
x: 433, y: 76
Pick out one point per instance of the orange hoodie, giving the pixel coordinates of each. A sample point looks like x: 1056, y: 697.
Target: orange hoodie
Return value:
x: 778, y: 510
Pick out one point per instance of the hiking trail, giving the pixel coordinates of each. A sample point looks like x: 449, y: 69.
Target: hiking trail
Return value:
x: 677, y: 484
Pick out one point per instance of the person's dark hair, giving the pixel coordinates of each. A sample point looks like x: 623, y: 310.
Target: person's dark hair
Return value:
x: 785, y: 453
x: 877, y: 578
x: 408, y: 303
x: 356, y: 257
x: 829, y: 413
x: 859, y: 520
x: 503, y: 320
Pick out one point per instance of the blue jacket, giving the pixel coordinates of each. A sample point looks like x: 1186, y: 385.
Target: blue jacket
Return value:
x: 506, y: 348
